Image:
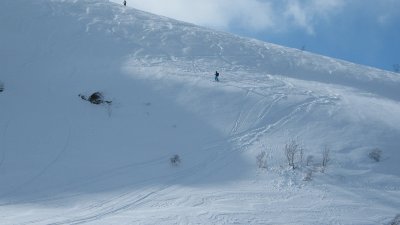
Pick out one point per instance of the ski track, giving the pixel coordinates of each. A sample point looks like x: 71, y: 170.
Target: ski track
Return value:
x: 128, y: 200
x: 97, y: 212
x: 220, y: 159
x: 41, y: 172
x: 242, y: 136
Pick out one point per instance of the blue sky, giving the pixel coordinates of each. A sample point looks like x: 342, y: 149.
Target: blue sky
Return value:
x: 361, y: 31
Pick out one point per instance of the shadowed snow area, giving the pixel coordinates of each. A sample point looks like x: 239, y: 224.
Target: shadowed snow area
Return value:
x: 66, y: 161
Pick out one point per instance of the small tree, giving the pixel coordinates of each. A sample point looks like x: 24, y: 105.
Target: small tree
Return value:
x: 301, y: 155
x: 290, y: 150
x: 308, y: 175
x: 375, y: 154
x: 262, y: 160
x: 325, y: 158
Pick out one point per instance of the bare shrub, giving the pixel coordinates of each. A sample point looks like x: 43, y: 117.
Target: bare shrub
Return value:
x: 301, y: 155
x: 325, y: 158
x: 291, y: 149
x: 308, y: 175
x: 175, y: 160
x: 375, y: 154
x: 261, y: 159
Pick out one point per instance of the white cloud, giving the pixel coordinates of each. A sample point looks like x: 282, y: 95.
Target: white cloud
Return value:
x: 386, y: 12
x: 306, y: 13
x: 296, y: 15
x: 250, y: 15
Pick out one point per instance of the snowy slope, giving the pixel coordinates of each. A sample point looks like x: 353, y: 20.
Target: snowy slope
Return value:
x: 66, y: 161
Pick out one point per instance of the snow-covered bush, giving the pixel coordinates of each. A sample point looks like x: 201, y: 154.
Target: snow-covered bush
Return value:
x: 175, y: 160
x: 308, y: 175
x: 325, y: 156
x: 261, y: 159
x: 301, y: 155
x: 375, y: 154
x: 291, y: 150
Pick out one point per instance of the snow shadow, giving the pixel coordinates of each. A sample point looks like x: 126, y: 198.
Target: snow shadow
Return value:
x: 55, y: 145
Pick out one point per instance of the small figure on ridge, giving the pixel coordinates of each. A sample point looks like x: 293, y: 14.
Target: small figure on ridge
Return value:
x: 124, y: 2
x: 216, y: 76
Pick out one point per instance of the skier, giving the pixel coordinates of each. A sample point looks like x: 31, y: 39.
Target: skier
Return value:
x: 216, y: 76
x: 124, y: 2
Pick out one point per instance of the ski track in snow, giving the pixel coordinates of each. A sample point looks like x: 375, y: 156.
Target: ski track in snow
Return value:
x: 129, y: 201
x: 41, y: 172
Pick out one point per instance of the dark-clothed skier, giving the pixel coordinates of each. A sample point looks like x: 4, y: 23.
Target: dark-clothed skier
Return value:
x: 216, y: 76
x: 124, y: 2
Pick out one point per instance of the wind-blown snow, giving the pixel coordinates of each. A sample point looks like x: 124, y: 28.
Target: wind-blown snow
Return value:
x: 66, y: 161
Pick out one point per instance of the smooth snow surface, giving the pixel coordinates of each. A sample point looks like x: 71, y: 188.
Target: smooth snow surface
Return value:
x: 66, y: 161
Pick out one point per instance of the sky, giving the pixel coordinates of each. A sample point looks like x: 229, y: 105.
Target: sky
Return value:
x: 360, y: 31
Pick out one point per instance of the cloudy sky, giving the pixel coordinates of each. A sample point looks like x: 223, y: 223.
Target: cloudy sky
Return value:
x: 361, y: 31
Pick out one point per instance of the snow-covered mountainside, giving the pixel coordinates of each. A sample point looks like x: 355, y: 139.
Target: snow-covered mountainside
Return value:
x: 64, y: 160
